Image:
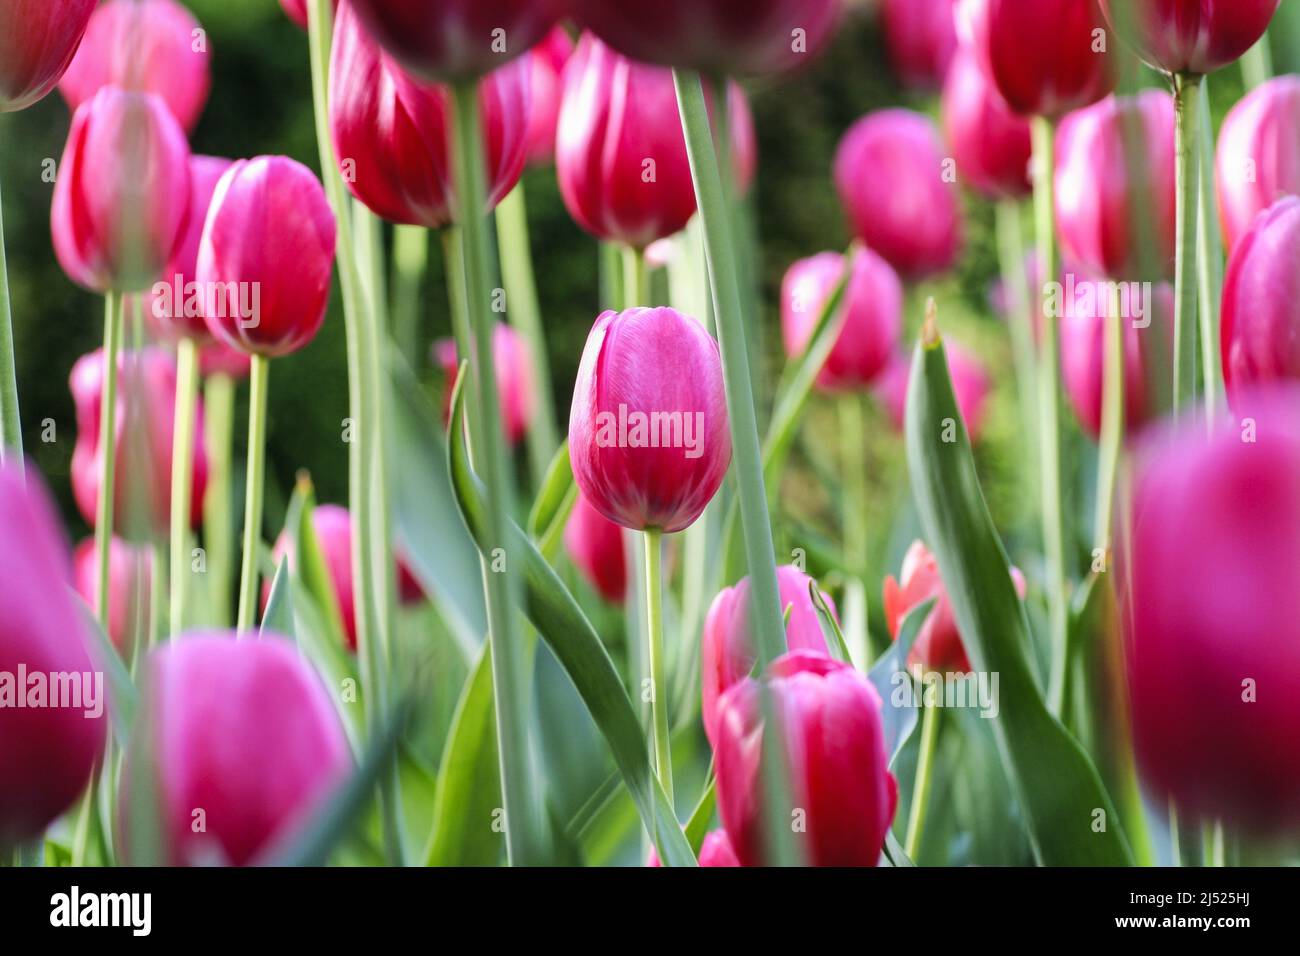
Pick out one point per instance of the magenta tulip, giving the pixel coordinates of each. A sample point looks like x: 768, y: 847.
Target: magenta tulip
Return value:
x: 514, y: 376
x: 130, y: 569
x: 714, y: 36
x: 38, y: 39
x: 123, y: 192
x: 1259, y: 154
x: 246, y: 733
x: 970, y: 382
x: 715, y: 851
x: 648, y: 432
x: 266, y: 256
x: 1098, y: 202
x: 726, y: 649
x: 990, y: 144
x: 392, y: 132
x: 921, y: 40
x: 217, y: 358
x: 1190, y: 36
x: 145, y: 46
x: 547, y: 60
x: 890, y: 170
x: 1047, y: 57
x: 834, y: 741
x: 873, y: 315
x: 48, y: 741
x: 597, y: 549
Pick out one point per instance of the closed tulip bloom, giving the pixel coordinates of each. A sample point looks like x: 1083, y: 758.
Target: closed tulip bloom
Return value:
x: 1259, y: 154
x: 726, y: 648
x: 145, y: 417
x: 1047, y: 57
x: 921, y: 39
x: 715, y: 851
x: 1212, y: 620
x: 38, y: 39
x: 990, y: 144
x: 873, y: 319
x: 514, y: 375
x: 648, y: 432
x: 246, y: 731
x: 392, y: 132
x: 971, y: 384
x: 129, y: 574
x: 830, y: 721
x: 146, y: 46
x: 123, y: 192
x: 1261, y: 302
x: 46, y: 752
x: 596, y: 548
x: 1190, y: 36
x: 746, y: 37
x: 267, y: 254
x: 457, y: 40
x: 890, y: 173
x: 547, y: 61
x: 1098, y: 199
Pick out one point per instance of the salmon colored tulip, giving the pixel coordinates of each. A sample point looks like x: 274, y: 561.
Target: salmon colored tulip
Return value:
x: 38, y: 39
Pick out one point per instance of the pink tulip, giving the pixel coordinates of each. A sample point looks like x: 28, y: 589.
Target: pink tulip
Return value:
x: 744, y: 138
x: 1259, y: 154
x: 46, y: 752
x: 726, y: 649
x: 890, y: 173
x: 830, y: 721
x: 1098, y: 201
x: 130, y: 569
x: 1261, y: 302
x: 1191, y: 36
x: 971, y: 384
x: 596, y: 547
x: 392, y: 133
x: 267, y: 255
x: 547, y: 61
x: 648, y: 432
x: 457, y: 40
x: 715, y: 851
x: 123, y: 192
x: 1047, y: 57
x: 145, y: 46
x: 921, y: 40
x: 514, y: 374
x: 873, y: 320
x: 1212, y: 619
x: 714, y: 36
x: 38, y: 39
x: 245, y: 733
x: 217, y: 358
x: 297, y: 10
x: 990, y: 144
x: 146, y: 411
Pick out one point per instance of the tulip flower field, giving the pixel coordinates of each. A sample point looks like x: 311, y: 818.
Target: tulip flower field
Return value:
x: 834, y: 433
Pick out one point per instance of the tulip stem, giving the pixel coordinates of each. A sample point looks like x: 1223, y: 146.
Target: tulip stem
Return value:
x: 636, y: 279
x: 853, y: 447
x: 410, y: 261
x: 187, y: 393
x: 1112, y: 421
x: 654, y: 621
x: 1257, y: 64
x: 924, y: 775
x: 114, y: 310
x: 11, y: 434
x: 257, y: 392
x: 219, y: 415
x: 1187, y: 176
x: 1020, y: 325
x: 1209, y: 261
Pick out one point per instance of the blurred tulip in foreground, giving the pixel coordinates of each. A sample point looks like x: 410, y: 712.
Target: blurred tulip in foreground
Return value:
x: 1190, y: 36
x: 547, y: 61
x: 970, y: 383
x: 514, y: 377
x: 38, y: 39
x: 990, y: 144
x: 921, y: 40
x: 715, y: 851
x: 1259, y: 154
x: 129, y: 573
x: 596, y: 547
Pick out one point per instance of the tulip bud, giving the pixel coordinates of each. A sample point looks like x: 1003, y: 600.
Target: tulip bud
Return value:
x: 123, y: 192
x: 714, y: 36
x: 921, y: 40
x: 457, y: 40
x: 840, y: 784
x: 514, y: 375
x: 873, y: 319
x: 266, y: 256
x: 1261, y: 302
x: 144, y: 46
x: 247, y: 735
x: 1099, y: 200
x: 714, y: 851
x: 596, y: 547
x: 38, y: 39
x: 1211, y: 617
x: 48, y: 743
x: 892, y: 177
x: 990, y: 144
x: 145, y: 417
x: 130, y: 570
x: 392, y: 133
x: 1190, y: 36
x: 726, y: 649
x: 970, y: 383
x: 547, y: 61
x: 1259, y: 154
x: 1047, y: 57
x: 648, y: 431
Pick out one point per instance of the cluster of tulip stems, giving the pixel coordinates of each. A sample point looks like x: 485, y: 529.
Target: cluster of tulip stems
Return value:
x: 1143, y: 672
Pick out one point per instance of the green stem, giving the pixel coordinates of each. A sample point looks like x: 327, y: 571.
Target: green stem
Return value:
x: 258, y: 382
x: 1212, y: 844
x: 1112, y: 421
x: 636, y: 279
x: 219, y: 417
x: 410, y: 260
x: 114, y: 309
x: 187, y: 392
x: 853, y: 447
x: 663, y: 752
x: 924, y: 775
x: 11, y: 433
x: 1187, y: 177
x: 1015, y: 280
x: 1209, y: 261
x: 1257, y: 64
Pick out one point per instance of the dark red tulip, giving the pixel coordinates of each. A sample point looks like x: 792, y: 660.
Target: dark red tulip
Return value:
x: 597, y: 549
x: 548, y: 60
x: 392, y: 132
x: 38, y: 39
x: 715, y: 851
x: 922, y: 40
x: 516, y: 390
x: 891, y: 173
x: 990, y: 144
x: 970, y: 382
x: 1190, y: 36
x: 130, y: 569
x: 1259, y: 154
x: 266, y: 255
x: 714, y: 36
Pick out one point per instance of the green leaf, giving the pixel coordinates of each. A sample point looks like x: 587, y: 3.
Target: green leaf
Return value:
x: 278, y: 617
x: 554, y: 504
x: 830, y: 627
x: 1055, y: 781
x: 697, y: 828
x: 123, y: 698
x: 899, y: 722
